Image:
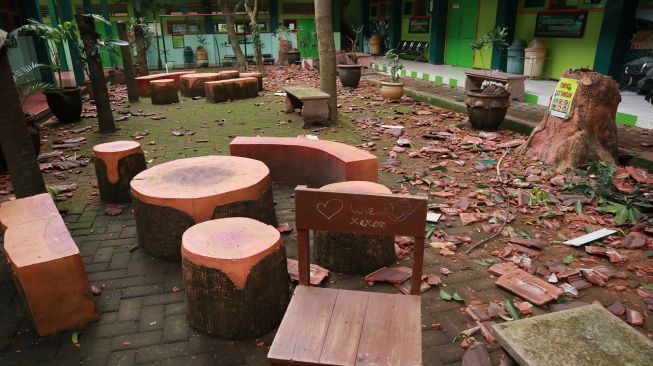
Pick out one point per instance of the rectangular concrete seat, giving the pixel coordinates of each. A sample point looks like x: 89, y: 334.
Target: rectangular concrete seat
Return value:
x: 143, y: 82
x: 313, y: 103
x: 514, y: 82
x: 46, y: 265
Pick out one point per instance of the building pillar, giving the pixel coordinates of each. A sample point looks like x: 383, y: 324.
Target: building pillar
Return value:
x: 31, y: 10
x: 438, y: 38
x: 54, y: 21
x: 365, y: 13
x: 73, y: 43
x: 394, y: 29
x: 88, y: 6
x: 138, y: 12
x: 336, y: 15
x: 274, y: 15
x: 108, y: 31
x: 208, y: 19
x: 507, y: 18
x: 616, y: 30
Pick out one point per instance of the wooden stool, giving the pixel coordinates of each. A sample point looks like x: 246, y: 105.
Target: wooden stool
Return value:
x: 192, y: 85
x: 171, y: 197
x: 256, y: 75
x: 234, y: 270
x: 116, y: 164
x: 229, y: 74
x: 164, y: 91
x: 354, y: 252
x: 231, y: 89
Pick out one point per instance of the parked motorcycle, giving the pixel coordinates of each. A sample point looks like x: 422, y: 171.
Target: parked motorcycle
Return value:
x: 638, y: 75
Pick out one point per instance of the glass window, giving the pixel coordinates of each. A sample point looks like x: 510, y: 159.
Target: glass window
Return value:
x: 563, y: 4
x: 421, y: 8
x: 178, y: 28
x: 408, y: 8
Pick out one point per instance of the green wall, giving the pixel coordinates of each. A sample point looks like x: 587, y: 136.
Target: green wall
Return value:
x: 563, y: 53
x: 487, y: 15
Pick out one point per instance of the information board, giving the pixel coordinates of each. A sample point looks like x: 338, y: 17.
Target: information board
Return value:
x: 563, y: 97
x: 561, y: 25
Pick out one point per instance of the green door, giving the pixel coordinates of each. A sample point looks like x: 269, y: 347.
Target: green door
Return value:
x: 461, y: 32
x: 307, y: 38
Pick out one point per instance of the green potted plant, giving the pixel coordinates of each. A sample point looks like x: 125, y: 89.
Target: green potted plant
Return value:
x: 285, y: 44
x: 350, y: 74
x: 64, y: 102
x: 393, y: 90
x: 487, y: 106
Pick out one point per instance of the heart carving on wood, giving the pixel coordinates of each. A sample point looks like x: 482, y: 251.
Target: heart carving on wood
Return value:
x: 399, y: 212
x: 330, y: 208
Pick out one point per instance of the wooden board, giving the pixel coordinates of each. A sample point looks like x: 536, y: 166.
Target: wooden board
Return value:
x: 340, y: 346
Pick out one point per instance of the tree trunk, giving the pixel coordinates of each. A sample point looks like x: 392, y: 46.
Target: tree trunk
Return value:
x: 89, y: 35
x: 590, y: 132
x: 141, y: 52
x: 132, y: 93
x: 256, y: 35
x: 231, y: 34
x: 24, y: 171
x: 327, y: 53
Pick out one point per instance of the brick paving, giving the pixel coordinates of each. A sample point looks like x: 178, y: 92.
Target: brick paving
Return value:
x: 143, y: 316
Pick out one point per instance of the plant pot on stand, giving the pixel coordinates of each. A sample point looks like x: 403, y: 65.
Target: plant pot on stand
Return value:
x: 65, y: 103
x: 292, y: 57
x: 392, y: 91
x: 487, y: 110
x: 350, y: 75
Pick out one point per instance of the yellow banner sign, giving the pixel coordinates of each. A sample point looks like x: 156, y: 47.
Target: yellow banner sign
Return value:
x: 563, y: 97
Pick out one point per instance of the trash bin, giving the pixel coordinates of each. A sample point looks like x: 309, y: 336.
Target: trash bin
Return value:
x: 534, y: 58
x: 375, y: 45
x: 189, y: 57
x: 202, y: 57
x: 516, y: 57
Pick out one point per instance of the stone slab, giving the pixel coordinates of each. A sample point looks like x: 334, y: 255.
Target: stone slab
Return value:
x: 588, y: 335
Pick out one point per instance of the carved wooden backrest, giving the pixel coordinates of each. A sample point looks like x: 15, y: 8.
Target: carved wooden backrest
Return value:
x: 380, y: 214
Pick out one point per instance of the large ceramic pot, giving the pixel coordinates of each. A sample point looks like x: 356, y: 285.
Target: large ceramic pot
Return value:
x: 487, y: 111
x: 65, y: 104
x: 292, y: 57
x: 349, y: 75
x: 392, y: 91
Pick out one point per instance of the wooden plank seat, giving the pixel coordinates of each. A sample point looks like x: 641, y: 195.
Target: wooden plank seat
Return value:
x: 313, y: 102
x: 256, y: 75
x: 171, y: 197
x: 513, y: 82
x: 116, y: 164
x: 235, y: 277
x: 325, y: 326
x: 296, y: 161
x: 354, y: 252
x: 164, y: 91
x: 192, y: 85
x: 231, y: 89
x: 143, y: 82
x: 46, y: 265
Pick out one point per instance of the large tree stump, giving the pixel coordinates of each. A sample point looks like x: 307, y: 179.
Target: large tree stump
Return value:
x: 192, y: 85
x: 171, y: 197
x: 234, y: 270
x: 351, y: 252
x: 164, y: 91
x: 591, y: 131
x: 231, y: 89
x: 256, y: 75
x: 116, y: 164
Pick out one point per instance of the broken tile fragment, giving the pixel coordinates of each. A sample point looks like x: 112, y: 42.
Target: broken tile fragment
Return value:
x: 617, y: 308
x: 317, y: 273
x: 395, y: 275
x: 529, y: 287
x: 634, y: 317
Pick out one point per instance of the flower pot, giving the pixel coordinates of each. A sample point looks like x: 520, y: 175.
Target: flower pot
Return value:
x: 65, y: 103
x: 487, y: 111
x: 349, y: 75
x: 392, y: 91
x: 292, y: 57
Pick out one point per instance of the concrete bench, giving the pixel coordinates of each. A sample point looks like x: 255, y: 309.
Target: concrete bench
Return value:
x: 46, y: 265
x: 231, y: 89
x: 513, y: 82
x: 314, y: 163
x: 143, y: 82
x: 313, y: 102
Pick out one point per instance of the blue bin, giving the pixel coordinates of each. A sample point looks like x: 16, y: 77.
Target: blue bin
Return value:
x: 516, y: 57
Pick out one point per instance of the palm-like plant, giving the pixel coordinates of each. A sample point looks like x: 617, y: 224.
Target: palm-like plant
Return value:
x: 26, y: 83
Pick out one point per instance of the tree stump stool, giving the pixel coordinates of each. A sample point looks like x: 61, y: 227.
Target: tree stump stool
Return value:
x: 235, y: 277
x: 171, y: 197
x: 229, y: 74
x: 192, y: 85
x: 231, y: 89
x: 164, y: 91
x: 256, y: 75
x: 116, y: 164
x: 351, y: 252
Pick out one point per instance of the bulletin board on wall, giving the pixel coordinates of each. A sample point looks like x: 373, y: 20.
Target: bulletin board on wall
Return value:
x: 561, y: 25
x: 178, y: 41
x: 419, y: 25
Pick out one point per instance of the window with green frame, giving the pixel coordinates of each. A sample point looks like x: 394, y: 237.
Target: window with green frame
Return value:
x: 408, y: 8
x: 533, y: 5
x: 563, y: 4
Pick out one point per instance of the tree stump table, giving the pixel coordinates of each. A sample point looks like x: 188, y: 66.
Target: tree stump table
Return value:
x: 256, y: 75
x: 116, y: 164
x: 164, y: 91
x: 231, y: 89
x: 351, y: 252
x: 192, y: 85
x: 235, y: 277
x: 171, y: 197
